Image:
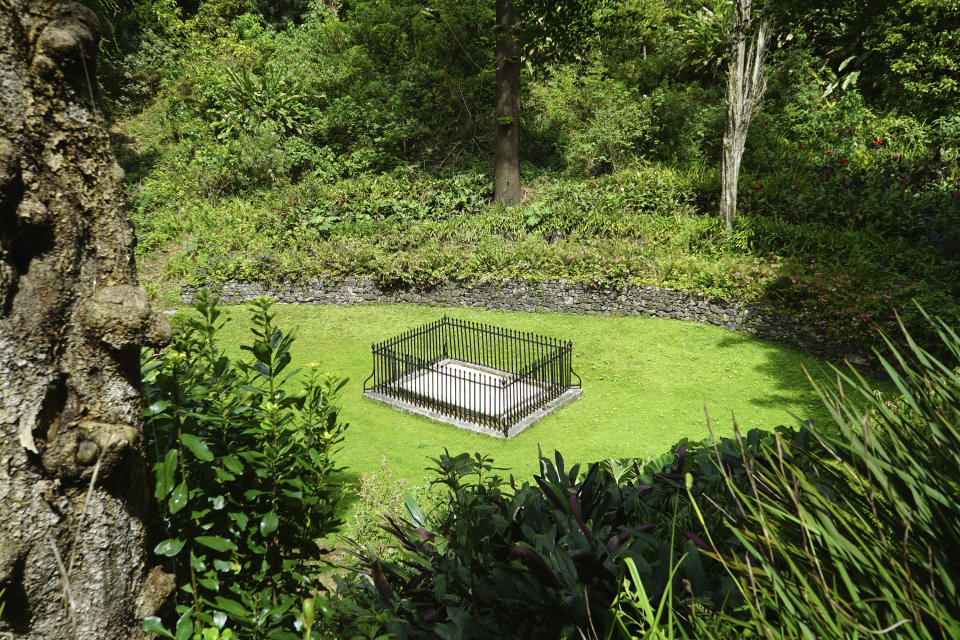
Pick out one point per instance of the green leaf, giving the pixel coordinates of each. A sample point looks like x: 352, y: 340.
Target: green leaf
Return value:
x: 232, y: 463
x: 269, y: 523
x: 219, y: 619
x: 850, y: 79
x: 209, y: 583
x: 197, y: 447
x: 157, y: 407
x: 169, y: 547
x: 223, y: 476
x: 150, y: 367
x: 261, y: 351
x: 178, y: 500
x: 153, y: 625
x: 414, y: 511
x: 166, y: 472
x: 198, y: 562
x: 232, y: 607
x: 185, y: 626
x: 240, y: 518
x: 216, y: 543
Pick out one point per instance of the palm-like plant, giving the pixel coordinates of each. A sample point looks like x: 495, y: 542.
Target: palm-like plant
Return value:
x: 273, y: 95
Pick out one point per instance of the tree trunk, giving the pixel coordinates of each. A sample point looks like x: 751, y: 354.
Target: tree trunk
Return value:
x: 73, y: 483
x: 506, y: 145
x: 745, y: 86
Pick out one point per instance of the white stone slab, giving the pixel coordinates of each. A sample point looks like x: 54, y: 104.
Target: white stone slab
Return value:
x: 455, y: 383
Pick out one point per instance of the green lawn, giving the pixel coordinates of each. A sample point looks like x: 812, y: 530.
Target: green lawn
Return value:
x: 645, y: 385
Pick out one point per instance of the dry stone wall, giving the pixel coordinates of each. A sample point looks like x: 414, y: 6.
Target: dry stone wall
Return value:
x: 552, y: 295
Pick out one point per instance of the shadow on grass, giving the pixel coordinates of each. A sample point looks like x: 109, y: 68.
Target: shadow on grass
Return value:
x: 788, y: 371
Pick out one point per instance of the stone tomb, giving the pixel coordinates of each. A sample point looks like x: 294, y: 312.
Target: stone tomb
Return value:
x: 474, y: 376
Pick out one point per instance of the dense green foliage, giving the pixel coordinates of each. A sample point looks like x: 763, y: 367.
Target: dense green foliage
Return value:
x: 296, y: 141
x: 859, y: 539
x: 243, y: 460
x: 547, y: 560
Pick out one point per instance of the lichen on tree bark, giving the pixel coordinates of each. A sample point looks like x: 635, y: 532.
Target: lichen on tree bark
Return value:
x: 72, y: 321
x: 746, y: 85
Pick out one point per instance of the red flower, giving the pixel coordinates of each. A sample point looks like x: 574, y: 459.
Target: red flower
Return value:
x: 798, y: 180
x: 376, y: 213
x: 843, y: 161
x: 901, y: 180
x: 756, y: 186
x: 592, y: 185
x: 956, y: 195
x: 878, y: 142
x: 828, y: 151
x: 799, y: 146
x: 896, y: 157
x: 341, y: 200
x: 292, y: 202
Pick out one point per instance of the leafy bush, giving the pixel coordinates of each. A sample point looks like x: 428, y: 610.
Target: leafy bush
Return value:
x: 822, y: 154
x: 859, y: 539
x: 547, y: 560
x: 611, y: 123
x: 244, y: 468
x: 269, y: 94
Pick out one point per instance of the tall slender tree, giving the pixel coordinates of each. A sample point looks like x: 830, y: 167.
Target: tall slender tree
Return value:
x: 73, y: 498
x: 746, y: 84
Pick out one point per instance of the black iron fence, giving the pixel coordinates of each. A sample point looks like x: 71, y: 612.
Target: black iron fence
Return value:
x: 472, y: 371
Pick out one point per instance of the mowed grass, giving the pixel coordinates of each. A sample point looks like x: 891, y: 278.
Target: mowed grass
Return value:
x: 646, y: 382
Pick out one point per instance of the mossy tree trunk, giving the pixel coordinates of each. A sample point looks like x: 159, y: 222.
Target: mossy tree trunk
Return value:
x: 506, y: 146
x: 74, y: 499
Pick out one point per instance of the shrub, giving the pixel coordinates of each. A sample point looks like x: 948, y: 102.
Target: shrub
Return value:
x: 244, y: 466
x: 547, y: 560
x: 611, y: 127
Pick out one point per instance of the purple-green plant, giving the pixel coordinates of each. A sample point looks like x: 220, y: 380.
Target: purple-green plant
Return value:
x: 545, y: 560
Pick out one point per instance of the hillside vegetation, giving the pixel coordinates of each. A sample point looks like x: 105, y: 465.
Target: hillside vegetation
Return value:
x: 293, y: 140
